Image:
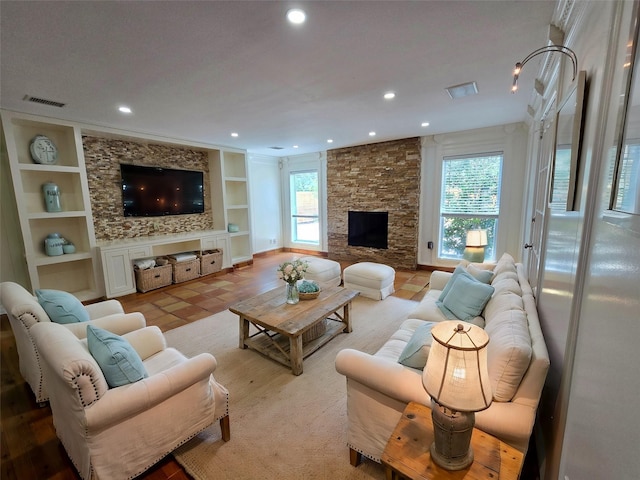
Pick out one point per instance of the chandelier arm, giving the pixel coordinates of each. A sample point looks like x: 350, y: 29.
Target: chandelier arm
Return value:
x: 554, y: 48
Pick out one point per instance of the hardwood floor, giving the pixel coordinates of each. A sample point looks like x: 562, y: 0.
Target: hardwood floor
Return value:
x: 29, y: 446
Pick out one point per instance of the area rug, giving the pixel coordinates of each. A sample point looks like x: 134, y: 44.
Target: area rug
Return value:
x: 282, y: 426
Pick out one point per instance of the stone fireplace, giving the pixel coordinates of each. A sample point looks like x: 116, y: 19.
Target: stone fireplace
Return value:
x: 379, y: 177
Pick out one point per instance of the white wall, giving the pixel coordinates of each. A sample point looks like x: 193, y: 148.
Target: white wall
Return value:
x: 509, y: 139
x: 264, y: 195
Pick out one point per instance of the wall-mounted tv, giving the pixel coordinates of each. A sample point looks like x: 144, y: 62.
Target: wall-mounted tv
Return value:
x: 368, y: 229
x: 155, y: 191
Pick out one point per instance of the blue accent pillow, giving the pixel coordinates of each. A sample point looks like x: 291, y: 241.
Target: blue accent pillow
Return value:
x: 416, y: 352
x: 466, y: 298
x: 459, y: 270
x: 118, y: 360
x: 62, y: 307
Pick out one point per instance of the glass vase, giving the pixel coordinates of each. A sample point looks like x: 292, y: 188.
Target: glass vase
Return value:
x: 292, y: 293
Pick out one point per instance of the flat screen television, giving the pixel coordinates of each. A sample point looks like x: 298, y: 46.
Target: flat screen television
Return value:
x: 368, y: 229
x: 155, y: 191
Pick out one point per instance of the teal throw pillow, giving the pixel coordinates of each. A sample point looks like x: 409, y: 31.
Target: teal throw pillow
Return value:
x: 467, y: 298
x: 118, y: 360
x: 459, y: 270
x: 62, y: 307
x: 480, y: 274
x: 416, y: 351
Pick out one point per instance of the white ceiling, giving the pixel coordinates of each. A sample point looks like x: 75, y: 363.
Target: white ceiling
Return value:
x: 199, y: 70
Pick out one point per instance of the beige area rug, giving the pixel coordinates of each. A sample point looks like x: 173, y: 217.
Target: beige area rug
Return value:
x: 282, y: 426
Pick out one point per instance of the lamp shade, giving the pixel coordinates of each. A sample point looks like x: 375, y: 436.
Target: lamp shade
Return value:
x: 477, y: 238
x: 456, y: 374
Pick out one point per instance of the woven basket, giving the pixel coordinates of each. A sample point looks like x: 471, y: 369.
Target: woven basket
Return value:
x: 184, y: 271
x: 210, y: 261
x: 314, y: 332
x: 308, y: 296
x: 152, y: 278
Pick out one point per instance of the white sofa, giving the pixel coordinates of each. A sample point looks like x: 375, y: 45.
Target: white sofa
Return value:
x: 24, y: 312
x: 379, y: 387
x: 119, y: 432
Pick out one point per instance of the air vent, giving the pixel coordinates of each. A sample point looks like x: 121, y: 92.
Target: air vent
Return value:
x: 462, y: 90
x: 276, y: 148
x: 43, y: 101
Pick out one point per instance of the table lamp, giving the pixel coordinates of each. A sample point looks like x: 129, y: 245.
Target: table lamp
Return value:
x: 476, y: 241
x: 457, y: 379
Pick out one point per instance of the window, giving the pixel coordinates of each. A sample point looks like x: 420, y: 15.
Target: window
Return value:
x: 305, y: 226
x: 470, y: 199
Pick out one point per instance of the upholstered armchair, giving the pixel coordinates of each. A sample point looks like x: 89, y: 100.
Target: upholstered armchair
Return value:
x: 24, y: 311
x: 121, y: 431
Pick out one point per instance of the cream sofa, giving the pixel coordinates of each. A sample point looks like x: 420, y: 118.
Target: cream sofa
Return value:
x: 379, y: 387
x: 24, y: 312
x: 120, y: 432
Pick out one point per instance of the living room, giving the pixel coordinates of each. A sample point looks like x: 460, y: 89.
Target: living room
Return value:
x: 579, y: 280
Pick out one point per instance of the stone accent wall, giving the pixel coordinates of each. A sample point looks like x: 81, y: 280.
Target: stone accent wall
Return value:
x: 375, y: 177
x: 103, y: 157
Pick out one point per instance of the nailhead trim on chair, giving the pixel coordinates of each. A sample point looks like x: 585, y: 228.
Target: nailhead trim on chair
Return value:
x: 41, y: 398
x: 79, y: 389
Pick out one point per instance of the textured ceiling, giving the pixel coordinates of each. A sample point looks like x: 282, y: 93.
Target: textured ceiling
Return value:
x: 200, y: 70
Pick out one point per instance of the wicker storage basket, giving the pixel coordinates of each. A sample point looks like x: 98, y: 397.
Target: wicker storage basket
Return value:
x: 210, y: 261
x: 308, y: 296
x: 314, y: 332
x: 151, y: 278
x: 184, y: 271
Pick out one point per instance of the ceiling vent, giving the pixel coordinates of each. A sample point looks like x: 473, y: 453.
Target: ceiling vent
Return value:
x: 276, y: 148
x: 462, y: 90
x: 43, y: 101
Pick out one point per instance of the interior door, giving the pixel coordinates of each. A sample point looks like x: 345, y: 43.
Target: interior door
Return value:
x: 538, y: 216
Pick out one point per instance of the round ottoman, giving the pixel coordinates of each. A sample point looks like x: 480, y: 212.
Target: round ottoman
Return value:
x: 372, y: 280
x: 322, y: 271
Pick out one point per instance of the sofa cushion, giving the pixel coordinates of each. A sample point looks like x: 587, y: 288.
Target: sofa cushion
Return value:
x: 508, y: 353
x: 416, y: 351
x: 505, y: 264
x: 62, y: 307
x: 466, y: 298
x: 502, y: 302
x: 507, y: 285
x: 117, y: 359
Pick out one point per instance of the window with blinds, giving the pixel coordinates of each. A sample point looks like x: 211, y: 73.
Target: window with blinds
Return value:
x: 470, y: 199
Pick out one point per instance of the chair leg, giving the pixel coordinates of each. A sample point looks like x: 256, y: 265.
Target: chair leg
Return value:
x: 354, y: 457
x: 225, y: 428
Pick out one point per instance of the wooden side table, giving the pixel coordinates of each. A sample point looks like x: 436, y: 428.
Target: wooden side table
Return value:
x: 407, y: 452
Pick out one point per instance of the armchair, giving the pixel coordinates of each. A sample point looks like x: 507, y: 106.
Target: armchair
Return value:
x: 24, y: 312
x: 120, y: 432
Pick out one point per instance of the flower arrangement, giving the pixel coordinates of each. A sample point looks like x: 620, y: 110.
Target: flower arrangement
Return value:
x: 292, y: 271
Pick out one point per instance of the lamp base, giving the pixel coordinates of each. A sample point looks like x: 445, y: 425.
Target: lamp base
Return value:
x: 474, y: 254
x: 452, y: 433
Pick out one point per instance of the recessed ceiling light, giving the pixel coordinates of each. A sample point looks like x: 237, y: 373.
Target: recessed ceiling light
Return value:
x: 389, y: 95
x: 424, y: 124
x: 462, y: 90
x: 124, y: 109
x: 372, y: 134
x: 295, y: 146
x: 234, y: 134
x: 296, y: 16
x: 330, y: 140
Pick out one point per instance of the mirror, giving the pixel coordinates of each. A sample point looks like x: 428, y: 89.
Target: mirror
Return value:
x: 626, y: 190
x: 567, y: 150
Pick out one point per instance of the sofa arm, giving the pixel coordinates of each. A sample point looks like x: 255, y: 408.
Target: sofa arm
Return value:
x: 102, y: 309
x: 118, y: 323
x: 439, y: 279
x: 120, y: 403
x: 383, y: 375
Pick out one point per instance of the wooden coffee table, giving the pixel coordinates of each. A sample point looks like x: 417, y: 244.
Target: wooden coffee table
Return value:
x: 280, y: 326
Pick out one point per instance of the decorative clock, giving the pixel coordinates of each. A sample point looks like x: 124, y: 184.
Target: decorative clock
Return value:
x: 43, y: 150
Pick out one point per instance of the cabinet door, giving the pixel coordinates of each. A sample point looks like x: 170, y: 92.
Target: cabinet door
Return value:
x: 118, y: 273
x: 223, y: 242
